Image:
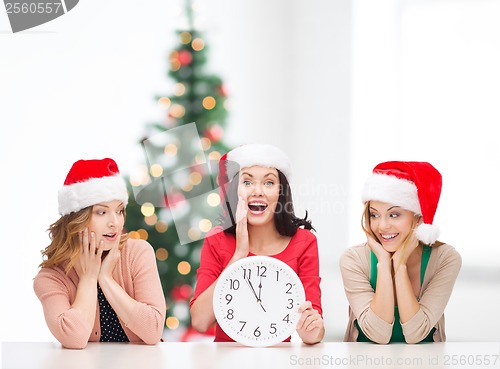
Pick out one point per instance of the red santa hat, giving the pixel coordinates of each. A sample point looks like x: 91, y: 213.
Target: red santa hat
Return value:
x: 415, y: 186
x: 90, y: 182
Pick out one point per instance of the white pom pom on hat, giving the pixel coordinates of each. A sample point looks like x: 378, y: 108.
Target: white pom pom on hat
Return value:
x: 90, y: 182
x: 415, y: 186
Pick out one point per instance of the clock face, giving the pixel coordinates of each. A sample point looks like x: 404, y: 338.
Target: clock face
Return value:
x: 256, y: 301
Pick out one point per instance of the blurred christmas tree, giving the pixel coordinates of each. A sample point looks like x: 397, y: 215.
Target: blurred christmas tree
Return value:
x: 173, y: 200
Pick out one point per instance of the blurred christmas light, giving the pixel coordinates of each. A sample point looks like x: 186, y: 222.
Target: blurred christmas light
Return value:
x: 215, y: 132
x: 147, y: 209
x: 161, y: 226
x: 179, y: 89
x: 140, y: 177
x: 161, y: 254
x: 172, y: 322
x: 151, y: 220
x: 156, y: 170
x: 199, y: 159
x: 214, y: 155
x: 198, y: 44
x: 194, y: 234
x: 143, y: 234
x: 205, y: 143
x: 182, y: 292
x: 213, y: 199
x: 205, y: 225
x: 164, y: 103
x: 177, y: 111
x: 171, y: 149
x: 209, y: 103
x: 185, y: 37
x: 134, y: 235
x: 184, y: 267
x: 175, y: 63
x: 185, y: 57
x: 187, y: 187
x: 195, y: 178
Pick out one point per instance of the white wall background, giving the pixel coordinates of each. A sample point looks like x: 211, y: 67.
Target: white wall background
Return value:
x: 339, y: 85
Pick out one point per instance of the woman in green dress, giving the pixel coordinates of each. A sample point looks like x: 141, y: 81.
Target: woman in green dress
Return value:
x: 398, y: 283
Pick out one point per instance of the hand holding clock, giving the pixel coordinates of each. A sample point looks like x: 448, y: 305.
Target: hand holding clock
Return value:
x: 310, y: 327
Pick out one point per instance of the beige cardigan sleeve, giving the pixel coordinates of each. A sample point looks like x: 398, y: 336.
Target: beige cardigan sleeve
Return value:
x: 355, y: 270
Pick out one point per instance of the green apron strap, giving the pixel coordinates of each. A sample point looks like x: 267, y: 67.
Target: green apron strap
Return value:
x: 373, y: 269
x: 426, y: 254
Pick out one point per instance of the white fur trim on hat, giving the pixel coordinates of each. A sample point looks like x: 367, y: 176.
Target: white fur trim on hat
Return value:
x: 427, y: 233
x: 80, y: 195
x: 391, y: 190
x: 259, y: 154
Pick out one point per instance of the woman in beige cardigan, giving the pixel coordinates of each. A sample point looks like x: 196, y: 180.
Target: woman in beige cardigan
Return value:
x: 399, y: 282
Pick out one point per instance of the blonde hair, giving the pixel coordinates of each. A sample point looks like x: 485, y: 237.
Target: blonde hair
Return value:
x: 64, y: 248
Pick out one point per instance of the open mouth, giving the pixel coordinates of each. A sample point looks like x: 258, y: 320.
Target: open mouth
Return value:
x: 257, y: 207
x: 109, y: 236
x: 389, y: 236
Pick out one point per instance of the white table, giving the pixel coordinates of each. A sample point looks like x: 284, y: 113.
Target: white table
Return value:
x: 208, y: 355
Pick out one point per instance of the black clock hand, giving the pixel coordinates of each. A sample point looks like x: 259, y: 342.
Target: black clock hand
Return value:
x: 251, y: 287
x: 254, y: 293
x: 260, y: 288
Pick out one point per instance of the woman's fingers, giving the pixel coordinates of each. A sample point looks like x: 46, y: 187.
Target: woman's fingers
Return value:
x: 241, y: 211
x: 92, y: 246
x: 309, y: 318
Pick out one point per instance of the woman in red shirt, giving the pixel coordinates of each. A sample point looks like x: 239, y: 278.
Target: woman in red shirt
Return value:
x: 259, y: 220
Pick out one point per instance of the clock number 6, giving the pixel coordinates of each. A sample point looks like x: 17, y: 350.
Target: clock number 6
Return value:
x: 256, y: 332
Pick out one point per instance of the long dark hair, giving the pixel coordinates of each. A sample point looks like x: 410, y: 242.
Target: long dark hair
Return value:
x: 284, y: 217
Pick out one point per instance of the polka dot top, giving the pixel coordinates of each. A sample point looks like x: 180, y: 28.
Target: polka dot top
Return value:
x: 111, y: 329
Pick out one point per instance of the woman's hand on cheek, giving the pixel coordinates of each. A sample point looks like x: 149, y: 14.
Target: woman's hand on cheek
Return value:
x: 110, y: 260
x: 401, y: 256
x: 242, y: 245
x: 88, y: 264
x: 378, y: 249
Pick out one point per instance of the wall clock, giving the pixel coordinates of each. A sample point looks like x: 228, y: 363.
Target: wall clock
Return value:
x: 256, y: 301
